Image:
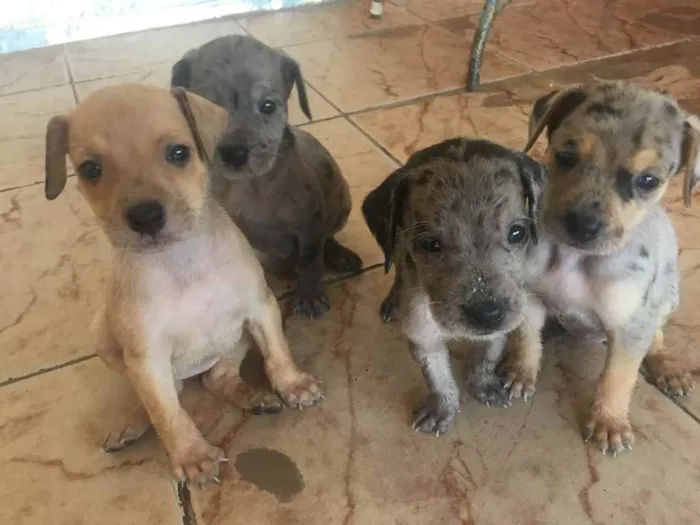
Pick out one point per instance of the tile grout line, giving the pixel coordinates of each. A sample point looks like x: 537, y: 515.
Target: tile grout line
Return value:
x: 184, y: 501
x: 372, y: 140
x: 42, y: 371
x: 71, y: 79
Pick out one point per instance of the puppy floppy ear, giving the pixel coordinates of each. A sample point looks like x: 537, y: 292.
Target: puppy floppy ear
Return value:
x: 292, y: 74
x: 57, y: 133
x: 382, y: 210
x: 181, y: 73
x: 690, y: 158
x: 206, y: 121
x: 533, y: 177
x: 551, y: 110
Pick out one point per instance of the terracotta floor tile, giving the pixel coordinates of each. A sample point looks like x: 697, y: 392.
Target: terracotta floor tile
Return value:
x: 675, y: 67
x: 34, y: 69
x: 355, y: 459
x: 553, y: 33
x: 499, y: 112
x: 391, y: 65
x: 307, y: 24
x: 142, y: 51
x: 447, y: 8
x: 51, y: 459
x: 54, y: 261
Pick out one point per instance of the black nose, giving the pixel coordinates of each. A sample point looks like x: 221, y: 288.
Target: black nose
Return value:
x: 146, y: 217
x: 583, y: 226
x: 486, y: 314
x: 236, y: 156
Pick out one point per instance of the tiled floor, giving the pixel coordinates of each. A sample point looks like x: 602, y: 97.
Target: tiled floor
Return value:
x: 379, y: 90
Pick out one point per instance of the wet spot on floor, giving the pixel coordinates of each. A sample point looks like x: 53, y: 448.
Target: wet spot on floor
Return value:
x: 271, y: 471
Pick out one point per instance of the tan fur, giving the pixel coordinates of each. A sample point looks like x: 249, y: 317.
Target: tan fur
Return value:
x: 609, y: 423
x: 180, y: 299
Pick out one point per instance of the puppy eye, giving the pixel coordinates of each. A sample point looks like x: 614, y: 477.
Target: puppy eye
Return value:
x: 90, y: 171
x: 430, y: 244
x: 566, y: 157
x: 267, y: 107
x: 517, y: 234
x: 177, y: 154
x: 647, y: 182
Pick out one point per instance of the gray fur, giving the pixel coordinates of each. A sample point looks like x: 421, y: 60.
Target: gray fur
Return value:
x: 289, y: 196
x: 467, y: 195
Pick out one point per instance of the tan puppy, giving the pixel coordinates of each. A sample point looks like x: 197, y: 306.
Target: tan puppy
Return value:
x: 187, y: 291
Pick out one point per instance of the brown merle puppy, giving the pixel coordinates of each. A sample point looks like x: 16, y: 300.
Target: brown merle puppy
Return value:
x: 607, y: 263
x: 457, y: 221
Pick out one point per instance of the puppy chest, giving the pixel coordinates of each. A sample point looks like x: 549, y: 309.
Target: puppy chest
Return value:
x: 197, y: 324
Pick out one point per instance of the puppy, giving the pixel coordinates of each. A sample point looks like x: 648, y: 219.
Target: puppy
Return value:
x: 607, y: 264
x: 278, y: 183
x: 187, y: 294
x: 457, y: 220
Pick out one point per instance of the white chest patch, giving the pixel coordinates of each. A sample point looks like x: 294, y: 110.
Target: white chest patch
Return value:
x: 197, y: 302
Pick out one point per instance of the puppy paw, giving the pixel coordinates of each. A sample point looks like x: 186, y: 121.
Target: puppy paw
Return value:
x: 519, y: 379
x: 266, y: 403
x: 312, y: 306
x: 434, y: 415
x: 669, y: 376
x: 340, y: 258
x: 611, y: 434
x: 304, y: 391
x: 488, y: 389
x: 198, y: 462
x: 390, y: 308
x: 127, y: 434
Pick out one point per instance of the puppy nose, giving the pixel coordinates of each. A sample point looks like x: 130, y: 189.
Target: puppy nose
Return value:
x: 236, y: 156
x: 583, y: 226
x: 486, y: 314
x: 146, y: 217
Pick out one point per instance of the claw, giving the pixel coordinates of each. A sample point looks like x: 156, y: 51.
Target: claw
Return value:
x: 488, y: 404
x: 614, y: 453
x: 216, y: 480
x: 224, y: 460
x: 628, y: 446
x: 604, y: 449
x: 437, y: 433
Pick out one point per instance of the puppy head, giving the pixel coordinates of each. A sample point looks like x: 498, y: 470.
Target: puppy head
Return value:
x: 253, y: 82
x: 141, y: 159
x: 461, y: 215
x: 613, y: 149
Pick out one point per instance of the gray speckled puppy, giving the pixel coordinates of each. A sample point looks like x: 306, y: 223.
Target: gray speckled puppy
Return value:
x: 607, y: 264
x: 278, y: 183
x: 457, y: 221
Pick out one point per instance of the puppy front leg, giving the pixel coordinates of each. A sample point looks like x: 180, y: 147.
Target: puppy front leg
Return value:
x: 436, y: 412
x: 665, y: 370
x: 296, y: 388
x: 483, y: 382
x: 609, y: 424
x: 524, y: 352
x: 310, y: 299
x: 190, y: 455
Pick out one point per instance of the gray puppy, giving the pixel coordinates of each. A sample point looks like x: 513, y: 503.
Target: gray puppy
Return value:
x: 278, y: 183
x: 457, y: 220
x: 607, y: 264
